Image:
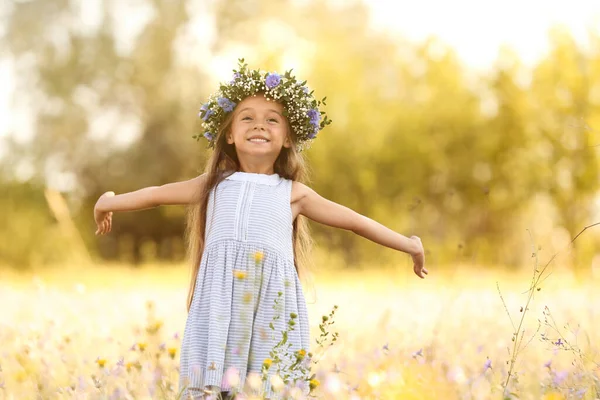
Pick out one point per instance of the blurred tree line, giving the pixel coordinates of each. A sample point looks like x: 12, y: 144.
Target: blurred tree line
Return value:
x: 467, y: 161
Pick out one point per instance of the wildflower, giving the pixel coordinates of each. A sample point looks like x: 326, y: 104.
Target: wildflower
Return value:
x: 559, y: 342
x: 172, y: 351
x: 121, y: 362
x: 325, y: 318
x: 239, y: 274
x: 258, y: 257
x: 226, y: 104
x: 300, y: 354
x: 272, y: 80
x: 207, y: 114
x: 128, y: 366
x: 560, y: 377
x: 418, y: 353
x: 142, y: 346
x: 487, y: 365
x: 547, y: 364
x: 277, y: 383
x: 154, y: 328
x: 313, y: 384
x: 231, y: 378
x: 235, y: 77
x: 254, y: 381
x: 209, y: 136
x: 101, y: 362
x: 314, y: 116
x: 267, y: 363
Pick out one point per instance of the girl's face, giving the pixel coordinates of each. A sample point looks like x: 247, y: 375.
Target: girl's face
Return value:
x: 259, y: 128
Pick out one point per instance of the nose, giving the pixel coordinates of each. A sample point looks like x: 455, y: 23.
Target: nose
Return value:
x: 259, y: 126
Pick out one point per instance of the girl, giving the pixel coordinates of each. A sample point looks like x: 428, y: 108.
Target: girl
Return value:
x: 244, y: 233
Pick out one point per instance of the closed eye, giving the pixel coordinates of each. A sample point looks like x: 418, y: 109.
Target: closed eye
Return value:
x: 246, y: 118
x: 273, y: 120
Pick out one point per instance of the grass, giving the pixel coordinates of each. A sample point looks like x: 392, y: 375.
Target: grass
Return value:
x: 112, y: 329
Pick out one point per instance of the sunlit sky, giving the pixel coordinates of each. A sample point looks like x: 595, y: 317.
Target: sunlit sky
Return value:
x: 474, y: 28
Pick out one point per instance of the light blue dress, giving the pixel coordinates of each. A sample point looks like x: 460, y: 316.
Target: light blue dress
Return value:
x: 234, y: 299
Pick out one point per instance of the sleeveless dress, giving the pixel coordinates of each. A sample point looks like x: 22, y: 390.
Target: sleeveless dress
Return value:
x: 247, y: 260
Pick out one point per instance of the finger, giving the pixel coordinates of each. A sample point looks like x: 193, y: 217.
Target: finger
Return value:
x: 110, y: 223
x: 425, y: 271
x: 418, y: 272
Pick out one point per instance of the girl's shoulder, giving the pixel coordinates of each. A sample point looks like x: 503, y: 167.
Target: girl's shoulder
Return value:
x: 299, y: 191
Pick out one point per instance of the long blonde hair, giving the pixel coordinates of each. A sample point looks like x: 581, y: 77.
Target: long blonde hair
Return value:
x: 222, y: 162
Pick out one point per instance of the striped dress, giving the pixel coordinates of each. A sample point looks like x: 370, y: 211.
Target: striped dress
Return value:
x: 248, y: 259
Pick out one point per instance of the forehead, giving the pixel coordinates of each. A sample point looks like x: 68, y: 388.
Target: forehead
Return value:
x: 259, y: 103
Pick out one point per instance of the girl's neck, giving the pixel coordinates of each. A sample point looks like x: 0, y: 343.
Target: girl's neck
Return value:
x: 256, y: 168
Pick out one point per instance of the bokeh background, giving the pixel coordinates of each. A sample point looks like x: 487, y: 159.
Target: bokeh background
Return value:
x: 474, y: 125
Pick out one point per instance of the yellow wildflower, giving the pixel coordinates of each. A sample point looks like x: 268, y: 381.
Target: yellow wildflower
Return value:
x: 553, y: 396
x: 267, y: 363
x: 313, y: 384
x: 239, y: 274
x: 101, y: 362
x: 172, y: 351
x: 258, y: 257
x: 300, y: 354
x: 142, y: 346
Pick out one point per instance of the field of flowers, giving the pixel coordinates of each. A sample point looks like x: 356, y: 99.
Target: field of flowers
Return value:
x: 114, y: 333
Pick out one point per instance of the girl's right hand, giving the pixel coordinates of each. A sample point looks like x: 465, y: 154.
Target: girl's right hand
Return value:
x: 103, y: 218
x: 419, y: 259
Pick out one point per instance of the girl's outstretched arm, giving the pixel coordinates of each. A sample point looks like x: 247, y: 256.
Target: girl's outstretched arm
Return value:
x: 185, y: 192
x: 313, y: 206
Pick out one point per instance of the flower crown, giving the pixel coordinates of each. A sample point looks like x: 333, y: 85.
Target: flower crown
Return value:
x: 299, y: 106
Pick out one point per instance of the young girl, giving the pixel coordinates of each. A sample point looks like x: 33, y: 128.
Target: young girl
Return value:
x: 244, y: 233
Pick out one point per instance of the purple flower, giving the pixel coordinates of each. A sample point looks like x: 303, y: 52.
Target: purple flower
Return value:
x: 559, y: 342
x: 548, y: 363
x: 314, y: 116
x: 208, y: 136
x: 418, y: 353
x: 487, y: 365
x: 226, y: 104
x: 235, y: 77
x: 273, y: 80
x: 207, y: 114
x: 560, y: 377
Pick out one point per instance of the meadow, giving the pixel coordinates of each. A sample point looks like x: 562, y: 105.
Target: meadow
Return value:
x: 113, y: 331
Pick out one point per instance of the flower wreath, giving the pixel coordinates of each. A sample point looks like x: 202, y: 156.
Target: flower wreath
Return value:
x: 299, y: 106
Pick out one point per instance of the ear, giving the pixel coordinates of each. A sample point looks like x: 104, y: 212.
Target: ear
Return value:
x: 287, y: 143
x: 229, y: 138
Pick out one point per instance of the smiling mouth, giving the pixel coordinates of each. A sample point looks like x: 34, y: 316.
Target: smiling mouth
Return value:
x: 258, y: 139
